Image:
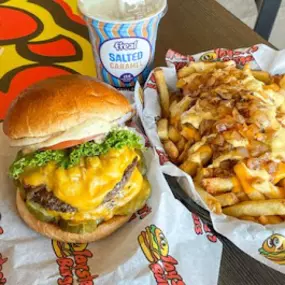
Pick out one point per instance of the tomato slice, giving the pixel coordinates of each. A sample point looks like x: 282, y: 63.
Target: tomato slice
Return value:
x: 67, y: 144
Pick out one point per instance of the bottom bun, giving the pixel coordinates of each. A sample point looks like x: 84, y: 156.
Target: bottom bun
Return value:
x: 54, y: 232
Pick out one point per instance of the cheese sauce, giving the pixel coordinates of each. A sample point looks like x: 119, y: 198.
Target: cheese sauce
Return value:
x: 86, y: 185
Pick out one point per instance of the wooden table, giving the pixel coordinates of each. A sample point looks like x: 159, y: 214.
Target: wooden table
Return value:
x: 192, y: 26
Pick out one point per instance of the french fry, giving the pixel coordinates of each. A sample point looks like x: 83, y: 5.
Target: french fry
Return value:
x: 171, y: 150
x: 213, y: 204
x: 227, y: 199
x: 202, y: 155
x: 262, y: 76
x: 174, y: 97
x: 181, y: 144
x: 187, y: 80
x: 163, y: 91
x: 173, y: 134
x: 248, y: 218
x: 281, y: 183
x: 272, y: 86
x: 282, y: 216
x: 279, y: 174
x: 257, y: 208
x: 202, y: 66
x: 242, y: 196
x: 183, y: 155
x: 266, y: 220
x: 176, y: 109
x: 189, y: 133
x: 217, y: 185
x: 245, y: 179
x: 282, y: 82
x: 201, y: 174
x: 185, y: 71
x: 246, y: 67
x: 271, y: 191
x: 189, y: 167
x: 162, y: 129
x: 237, y: 187
x: 225, y: 64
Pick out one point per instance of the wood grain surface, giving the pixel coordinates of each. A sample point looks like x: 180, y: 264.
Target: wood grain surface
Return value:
x: 192, y: 26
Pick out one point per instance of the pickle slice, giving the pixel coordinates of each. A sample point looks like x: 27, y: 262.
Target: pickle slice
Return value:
x: 141, y: 164
x: 40, y: 213
x: 78, y: 227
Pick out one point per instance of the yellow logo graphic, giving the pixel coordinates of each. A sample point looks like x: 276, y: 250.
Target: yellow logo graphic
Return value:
x: 209, y: 56
x: 64, y: 249
x: 153, y: 243
x: 273, y: 249
x: 156, y: 249
x: 72, y: 259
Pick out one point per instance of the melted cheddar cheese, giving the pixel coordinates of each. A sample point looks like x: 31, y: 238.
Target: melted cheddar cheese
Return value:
x: 85, y: 186
x: 135, y: 195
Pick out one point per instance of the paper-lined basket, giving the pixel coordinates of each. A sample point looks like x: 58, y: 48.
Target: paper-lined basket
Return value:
x: 248, y: 236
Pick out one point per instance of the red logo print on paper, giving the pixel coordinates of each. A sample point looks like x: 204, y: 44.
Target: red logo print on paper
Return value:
x: 240, y: 57
x: 201, y: 228
x: 151, y: 83
x: 163, y: 158
x: 142, y: 213
x: 177, y: 59
x: 72, y: 259
x: 3, y: 280
x: 155, y: 247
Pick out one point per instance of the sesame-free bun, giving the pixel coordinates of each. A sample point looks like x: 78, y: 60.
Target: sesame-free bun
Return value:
x: 54, y: 232
x: 59, y: 103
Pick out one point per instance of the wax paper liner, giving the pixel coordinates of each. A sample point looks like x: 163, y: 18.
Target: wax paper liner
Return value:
x: 248, y: 236
x: 181, y: 246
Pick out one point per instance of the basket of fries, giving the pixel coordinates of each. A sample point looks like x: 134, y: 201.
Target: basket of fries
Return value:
x: 218, y: 122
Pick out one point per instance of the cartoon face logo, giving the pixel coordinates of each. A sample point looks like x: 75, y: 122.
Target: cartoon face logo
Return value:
x: 72, y: 260
x: 209, y: 56
x: 273, y: 249
x: 153, y: 243
x: 64, y: 249
x: 156, y: 250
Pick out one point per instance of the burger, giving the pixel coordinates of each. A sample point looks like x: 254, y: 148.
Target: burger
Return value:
x: 79, y: 172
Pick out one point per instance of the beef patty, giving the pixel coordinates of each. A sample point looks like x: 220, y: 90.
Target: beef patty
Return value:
x: 47, y: 200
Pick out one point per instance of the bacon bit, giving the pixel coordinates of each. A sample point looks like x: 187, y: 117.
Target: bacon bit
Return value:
x: 211, y: 81
x: 253, y: 163
x: 237, y: 116
x: 219, y: 140
x: 205, y: 127
x: 272, y: 167
x: 224, y: 124
x: 257, y: 148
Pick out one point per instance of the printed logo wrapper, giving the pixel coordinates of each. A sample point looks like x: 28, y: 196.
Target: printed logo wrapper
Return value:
x: 252, y: 238
x: 163, y: 243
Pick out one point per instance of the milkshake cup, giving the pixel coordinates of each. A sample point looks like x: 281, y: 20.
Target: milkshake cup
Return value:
x: 123, y: 41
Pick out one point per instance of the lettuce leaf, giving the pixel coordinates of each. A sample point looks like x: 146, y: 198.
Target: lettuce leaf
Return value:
x: 115, y: 139
x: 71, y: 157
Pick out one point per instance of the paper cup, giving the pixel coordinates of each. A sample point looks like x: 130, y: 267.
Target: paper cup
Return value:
x: 123, y: 50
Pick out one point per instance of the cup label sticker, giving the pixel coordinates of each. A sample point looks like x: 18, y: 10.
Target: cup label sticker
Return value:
x: 125, y: 58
